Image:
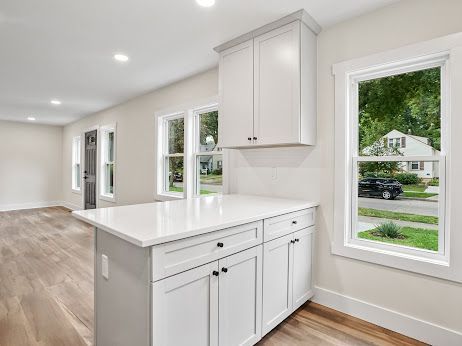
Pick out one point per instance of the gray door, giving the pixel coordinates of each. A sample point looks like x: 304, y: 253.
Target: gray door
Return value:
x: 90, y: 169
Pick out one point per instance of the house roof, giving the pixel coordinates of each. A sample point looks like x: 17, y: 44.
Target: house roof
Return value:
x: 423, y: 140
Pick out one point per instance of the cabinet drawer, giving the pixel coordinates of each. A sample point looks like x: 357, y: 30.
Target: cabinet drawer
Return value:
x: 281, y: 225
x: 178, y: 256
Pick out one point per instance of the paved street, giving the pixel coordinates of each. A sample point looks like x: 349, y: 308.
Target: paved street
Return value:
x: 401, y: 205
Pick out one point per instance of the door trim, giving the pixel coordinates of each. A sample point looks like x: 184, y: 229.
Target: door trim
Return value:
x: 82, y: 155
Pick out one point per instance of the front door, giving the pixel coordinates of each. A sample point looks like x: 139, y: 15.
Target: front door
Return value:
x: 90, y: 169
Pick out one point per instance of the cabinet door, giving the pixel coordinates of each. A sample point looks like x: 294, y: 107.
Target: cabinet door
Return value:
x: 236, y: 96
x: 303, y: 254
x: 185, y: 308
x: 240, y: 298
x: 277, y: 86
x: 277, y: 281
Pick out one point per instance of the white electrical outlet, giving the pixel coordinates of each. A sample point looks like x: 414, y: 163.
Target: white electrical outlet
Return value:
x: 105, y: 266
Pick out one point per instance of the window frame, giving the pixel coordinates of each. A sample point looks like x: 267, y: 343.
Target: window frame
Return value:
x: 190, y: 129
x: 76, y: 156
x: 104, y: 135
x: 196, y: 144
x: 448, y: 261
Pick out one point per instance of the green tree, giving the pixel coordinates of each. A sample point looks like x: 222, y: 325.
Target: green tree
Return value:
x: 209, y: 127
x: 408, y: 102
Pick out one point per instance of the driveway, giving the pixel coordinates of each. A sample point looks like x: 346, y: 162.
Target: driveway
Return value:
x: 400, y: 205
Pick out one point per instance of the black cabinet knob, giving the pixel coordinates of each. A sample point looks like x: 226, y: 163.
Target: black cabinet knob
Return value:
x: 215, y: 273
x: 297, y: 240
x: 292, y: 241
x: 254, y: 138
x: 220, y: 244
x: 249, y: 138
x: 294, y: 222
x: 224, y: 270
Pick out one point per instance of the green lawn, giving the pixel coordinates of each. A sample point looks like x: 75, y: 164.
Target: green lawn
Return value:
x: 416, y: 188
x: 213, y: 179
x: 413, y: 237
x: 180, y: 189
x: 415, y: 194
x: 392, y: 215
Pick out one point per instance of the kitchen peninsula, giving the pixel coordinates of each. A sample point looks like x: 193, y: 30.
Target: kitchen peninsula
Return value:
x: 218, y: 270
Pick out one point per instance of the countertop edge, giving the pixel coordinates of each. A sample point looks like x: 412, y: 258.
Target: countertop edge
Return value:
x: 192, y: 233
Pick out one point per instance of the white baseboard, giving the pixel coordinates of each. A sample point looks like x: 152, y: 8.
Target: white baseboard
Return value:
x: 7, y: 207
x: 34, y: 205
x: 71, y: 206
x: 396, y: 321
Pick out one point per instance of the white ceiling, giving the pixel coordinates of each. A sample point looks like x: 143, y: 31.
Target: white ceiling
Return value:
x: 63, y: 49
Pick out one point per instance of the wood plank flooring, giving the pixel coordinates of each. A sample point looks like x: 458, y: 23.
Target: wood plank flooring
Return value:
x: 46, y: 291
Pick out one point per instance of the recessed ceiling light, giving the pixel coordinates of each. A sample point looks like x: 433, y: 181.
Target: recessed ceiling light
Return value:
x: 120, y: 57
x: 31, y: 118
x: 55, y: 102
x: 205, y: 3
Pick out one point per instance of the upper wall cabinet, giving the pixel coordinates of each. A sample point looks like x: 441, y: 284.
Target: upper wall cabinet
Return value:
x: 267, y: 85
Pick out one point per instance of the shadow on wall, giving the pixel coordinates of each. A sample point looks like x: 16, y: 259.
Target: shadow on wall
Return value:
x: 275, y: 157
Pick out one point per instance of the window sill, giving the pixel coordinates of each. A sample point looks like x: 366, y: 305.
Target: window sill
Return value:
x: 107, y: 198
x: 165, y: 197
x: 78, y: 192
x: 439, y: 268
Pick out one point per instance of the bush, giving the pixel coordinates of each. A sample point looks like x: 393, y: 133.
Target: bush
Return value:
x: 407, y: 178
x: 376, y: 175
x: 389, y: 230
x: 434, y: 182
x: 218, y: 171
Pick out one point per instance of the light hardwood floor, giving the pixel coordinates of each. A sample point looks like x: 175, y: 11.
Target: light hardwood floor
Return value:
x: 46, y: 291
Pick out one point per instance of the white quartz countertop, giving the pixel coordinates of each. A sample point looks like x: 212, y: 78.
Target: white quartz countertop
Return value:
x: 156, y: 223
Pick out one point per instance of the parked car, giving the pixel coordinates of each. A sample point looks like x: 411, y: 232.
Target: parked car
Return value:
x: 177, y: 176
x: 380, y: 187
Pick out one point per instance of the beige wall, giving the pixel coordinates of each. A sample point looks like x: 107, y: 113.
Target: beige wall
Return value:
x: 30, y: 165
x: 135, y: 165
x: 307, y: 173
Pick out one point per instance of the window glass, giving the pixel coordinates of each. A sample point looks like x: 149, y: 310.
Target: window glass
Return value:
x: 174, y: 174
x: 175, y: 130
x: 208, y: 131
x: 399, y: 115
x: 210, y: 174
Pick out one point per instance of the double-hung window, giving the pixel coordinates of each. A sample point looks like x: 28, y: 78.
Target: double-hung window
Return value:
x: 76, y: 176
x: 208, y: 158
x: 173, y: 154
x: 189, y: 161
x: 393, y: 162
x: 108, y: 160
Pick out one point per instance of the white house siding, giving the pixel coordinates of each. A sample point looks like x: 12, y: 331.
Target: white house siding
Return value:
x: 416, y: 146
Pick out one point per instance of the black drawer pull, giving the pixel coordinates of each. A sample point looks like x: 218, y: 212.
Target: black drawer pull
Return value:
x: 224, y: 270
x: 220, y: 244
x: 215, y: 273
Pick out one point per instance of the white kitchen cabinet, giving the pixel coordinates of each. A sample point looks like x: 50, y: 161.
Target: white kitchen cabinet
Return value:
x: 186, y: 308
x: 302, y: 267
x: 287, y: 263
x: 236, y: 95
x: 240, y: 298
x: 283, y: 91
x: 277, y: 279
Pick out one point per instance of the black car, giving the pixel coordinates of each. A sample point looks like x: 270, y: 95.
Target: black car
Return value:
x: 380, y: 187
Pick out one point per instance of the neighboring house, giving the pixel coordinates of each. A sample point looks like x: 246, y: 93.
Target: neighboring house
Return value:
x: 208, y: 162
x: 411, y: 145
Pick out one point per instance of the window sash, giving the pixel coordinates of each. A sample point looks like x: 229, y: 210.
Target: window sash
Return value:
x: 443, y: 232
x: 108, y: 163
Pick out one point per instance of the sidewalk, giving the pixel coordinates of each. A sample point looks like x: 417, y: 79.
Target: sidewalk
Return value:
x: 367, y: 223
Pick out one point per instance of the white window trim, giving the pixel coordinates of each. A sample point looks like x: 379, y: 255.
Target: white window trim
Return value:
x: 196, y: 118
x: 448, y: 263
x: 104, y: 130
x: 73, y: 178
x: 189, y: 146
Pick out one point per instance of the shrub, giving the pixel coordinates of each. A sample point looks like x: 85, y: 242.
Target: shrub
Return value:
x: 407, y: 178
x: 389, y: 230
x: 434, y: 182
x: 218, y: 171
x: 376, y: 175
